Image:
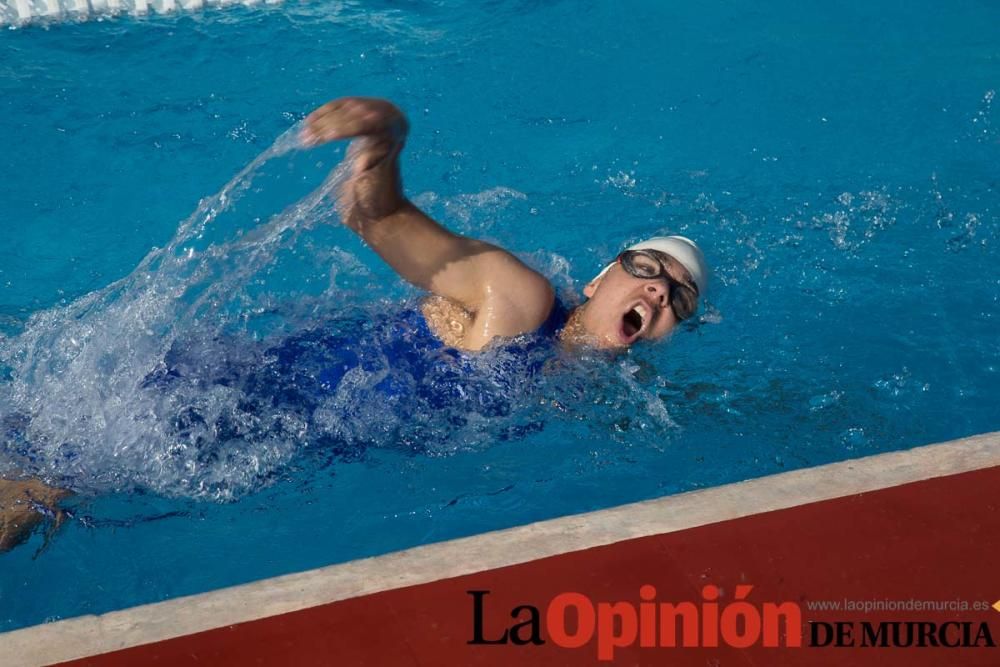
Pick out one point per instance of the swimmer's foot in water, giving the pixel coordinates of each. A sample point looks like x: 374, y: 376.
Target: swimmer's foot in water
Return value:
x: 23, y: 505
x: 374, y: 189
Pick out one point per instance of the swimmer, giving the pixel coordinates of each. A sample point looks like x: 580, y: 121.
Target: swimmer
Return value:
x: 478, y: 292
x: 23, y: 505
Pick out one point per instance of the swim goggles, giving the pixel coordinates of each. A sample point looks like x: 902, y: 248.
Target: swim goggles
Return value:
x: 652, y: 265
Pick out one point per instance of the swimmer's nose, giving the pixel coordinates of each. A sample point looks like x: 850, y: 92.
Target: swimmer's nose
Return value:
x: 659, y: 291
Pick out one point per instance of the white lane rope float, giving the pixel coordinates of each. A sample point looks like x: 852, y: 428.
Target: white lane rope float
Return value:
x: 18, y: 12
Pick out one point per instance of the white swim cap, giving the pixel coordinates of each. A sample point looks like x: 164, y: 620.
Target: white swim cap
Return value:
x: 683, y: 249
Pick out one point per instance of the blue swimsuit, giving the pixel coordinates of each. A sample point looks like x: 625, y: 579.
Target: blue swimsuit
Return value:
x: 360, y: 380
x: 313, y: 364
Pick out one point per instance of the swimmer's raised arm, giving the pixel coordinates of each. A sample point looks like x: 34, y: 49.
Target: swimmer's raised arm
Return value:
x: 504, y: 296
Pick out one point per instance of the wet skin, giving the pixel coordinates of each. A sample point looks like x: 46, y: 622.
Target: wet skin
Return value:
x: 21, y: 502
x: 482, y: 291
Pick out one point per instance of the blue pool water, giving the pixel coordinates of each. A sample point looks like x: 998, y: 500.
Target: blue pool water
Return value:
x: 838, y: 164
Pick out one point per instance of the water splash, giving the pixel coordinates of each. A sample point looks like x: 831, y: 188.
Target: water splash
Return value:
x: 192, y: 377
x: 859, y: 219
x: 73, y: 411
x: 458, y: 211
x: 982, y: 122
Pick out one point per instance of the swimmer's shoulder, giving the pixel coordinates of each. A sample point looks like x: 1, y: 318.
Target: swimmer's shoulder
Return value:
x: 516, y: 300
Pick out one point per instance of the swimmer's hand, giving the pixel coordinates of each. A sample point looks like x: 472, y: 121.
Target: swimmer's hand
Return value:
x: 374, y: 189
x: 350, y: 117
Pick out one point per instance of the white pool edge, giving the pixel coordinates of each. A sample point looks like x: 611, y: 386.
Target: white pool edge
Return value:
x: 91, y: 635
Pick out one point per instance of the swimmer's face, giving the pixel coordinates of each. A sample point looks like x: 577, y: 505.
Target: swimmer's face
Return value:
x: 623, y: 309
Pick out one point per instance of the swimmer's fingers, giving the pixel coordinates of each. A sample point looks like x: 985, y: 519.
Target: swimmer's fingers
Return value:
x: 353, y: 117
x: 334, y: 120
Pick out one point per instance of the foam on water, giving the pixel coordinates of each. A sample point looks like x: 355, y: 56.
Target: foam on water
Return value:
x: 72, y: 409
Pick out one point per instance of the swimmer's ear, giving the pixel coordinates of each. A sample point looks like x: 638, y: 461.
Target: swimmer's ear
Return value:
x: 591, y: 287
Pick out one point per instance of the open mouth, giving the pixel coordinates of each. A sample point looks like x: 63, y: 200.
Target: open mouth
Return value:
x: 632, y: 322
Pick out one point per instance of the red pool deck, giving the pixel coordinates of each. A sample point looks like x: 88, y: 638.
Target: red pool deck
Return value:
x: 894, y: 532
